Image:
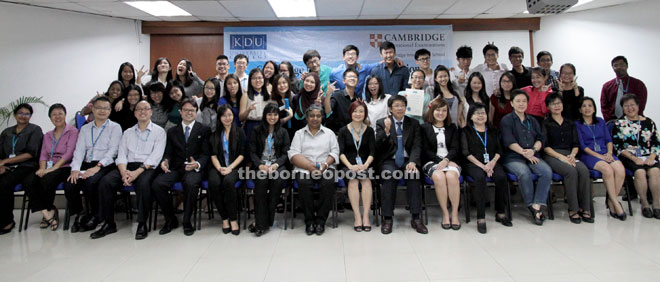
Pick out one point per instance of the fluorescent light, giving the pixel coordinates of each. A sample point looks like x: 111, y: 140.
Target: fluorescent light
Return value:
x: 582, y: 2
x: 293, y: 8
x: 158, y: 8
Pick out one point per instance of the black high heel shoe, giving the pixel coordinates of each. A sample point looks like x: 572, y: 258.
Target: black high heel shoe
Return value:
x: 8, y: 230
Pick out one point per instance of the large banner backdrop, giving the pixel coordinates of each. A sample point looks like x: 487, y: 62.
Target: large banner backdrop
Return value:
x: 261, y: 44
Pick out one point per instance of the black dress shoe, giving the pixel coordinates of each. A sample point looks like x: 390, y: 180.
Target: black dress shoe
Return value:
x: 419, y: 226
x: 252, y: 227
x: 8, y: 230
x: 106, y: 228
x: 320, y: 229
x: 169, y: 225
x: 504, y: 220
x: 236, y: 232
x: 188, y: 229
x: 481, y: 227
x: 656, y: 213
x: 89, y: 224
x: 386, y: 228
x: 259, y: 232
x: 226, y: 230
x: 535, y: 212
x: 141, y: 232
x: 647, y: 212
x: 75, y: 227
x: 309, y: 229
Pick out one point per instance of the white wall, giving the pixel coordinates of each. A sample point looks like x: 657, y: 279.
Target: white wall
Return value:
x: 590, y: 40
x: 63, y: 56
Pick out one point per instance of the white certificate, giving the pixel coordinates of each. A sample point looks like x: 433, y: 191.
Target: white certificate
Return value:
x: 415, y: 99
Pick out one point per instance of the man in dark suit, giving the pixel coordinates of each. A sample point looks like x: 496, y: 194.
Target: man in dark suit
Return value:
x: 399, y: 138
x: 185, y: 158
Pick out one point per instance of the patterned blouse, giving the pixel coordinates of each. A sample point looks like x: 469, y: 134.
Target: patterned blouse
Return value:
x: 626, y: 136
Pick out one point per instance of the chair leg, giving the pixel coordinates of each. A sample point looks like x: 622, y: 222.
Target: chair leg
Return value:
x: 425, y: 209
x: 286, y: 204
x: 466, y: 201
x: 293, y: 207
x: 67, y: 217
x: 551, y: 213
x: 20, y: 221
x: 508, y: 201
x: 630, y: 211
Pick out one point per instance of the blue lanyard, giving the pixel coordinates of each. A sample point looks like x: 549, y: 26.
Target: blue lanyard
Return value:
x: 225, y: 146
x: 14, y: 140
x: 54, y: 144
x: 359, y: 143
x: 269, y: 140
x: 592, y: 132
x: 146, y: 139
x: 97, y: 137
x: 483, y: 140
x: 528, y: 125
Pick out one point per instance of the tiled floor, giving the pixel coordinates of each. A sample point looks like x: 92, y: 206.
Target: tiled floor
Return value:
x: 608, y: 250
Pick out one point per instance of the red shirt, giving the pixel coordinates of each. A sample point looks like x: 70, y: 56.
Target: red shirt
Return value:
x: 500, y: 111
x: 536, y: 105
x: 611, y: 88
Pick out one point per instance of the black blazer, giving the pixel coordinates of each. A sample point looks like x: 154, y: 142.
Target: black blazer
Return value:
x: 386, y: 146
x: 177, y: 151
x: 430, y: 153
x: 257, y: 146
x: 237, y: 143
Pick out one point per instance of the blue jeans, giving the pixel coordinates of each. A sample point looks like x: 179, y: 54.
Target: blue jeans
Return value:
x: 523, y: 171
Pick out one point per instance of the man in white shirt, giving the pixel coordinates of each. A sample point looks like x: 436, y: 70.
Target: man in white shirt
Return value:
x: 460, y: 74
x: 240, y: 64
x: 491, y: 69
x: 140, y: 151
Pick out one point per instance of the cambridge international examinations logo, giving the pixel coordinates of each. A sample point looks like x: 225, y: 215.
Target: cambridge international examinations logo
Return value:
x: 375, y: 40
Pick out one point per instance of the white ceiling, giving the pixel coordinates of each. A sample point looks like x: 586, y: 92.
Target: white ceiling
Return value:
x: 260, y: 10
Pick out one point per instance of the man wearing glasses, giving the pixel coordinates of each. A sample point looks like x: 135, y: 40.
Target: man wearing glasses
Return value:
x: 423, y: 61
x: 240, y: 64
x: 93, y: 158
x: 140, y: 151
x: 491, y: 69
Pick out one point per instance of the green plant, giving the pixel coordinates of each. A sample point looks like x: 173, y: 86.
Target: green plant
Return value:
x: 7, y: 111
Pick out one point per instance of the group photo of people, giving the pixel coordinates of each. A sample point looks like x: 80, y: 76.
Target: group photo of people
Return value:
x: 498, y: 125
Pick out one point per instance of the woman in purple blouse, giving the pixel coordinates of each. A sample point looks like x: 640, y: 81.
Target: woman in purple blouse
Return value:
x: 54, y: 166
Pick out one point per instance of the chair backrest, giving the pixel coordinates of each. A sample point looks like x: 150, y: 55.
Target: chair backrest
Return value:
x: 80, y: 120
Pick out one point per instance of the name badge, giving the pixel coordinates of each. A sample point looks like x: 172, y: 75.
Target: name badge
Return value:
x: 486, y: 158
x: 49, y: 164
x: 358, y: 160
x: 597, y: 147
x: 638, y: 152
x: 11, y: 155
x: 268, y: 163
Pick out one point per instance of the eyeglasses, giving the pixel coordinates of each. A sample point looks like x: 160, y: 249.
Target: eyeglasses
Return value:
x: 188, y: 110
x: 24, y: 114
x: 628, y: 106
x: 425, y: 59
x: 142, y: 109
x: 480, y: 113
x: 555, y: 104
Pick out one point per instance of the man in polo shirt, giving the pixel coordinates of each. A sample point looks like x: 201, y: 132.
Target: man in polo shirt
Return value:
x: 394, y: 77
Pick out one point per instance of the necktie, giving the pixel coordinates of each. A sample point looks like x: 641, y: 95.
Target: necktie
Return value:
x: 618, y: 110
x: 187, y: 133
x: 398, y: 156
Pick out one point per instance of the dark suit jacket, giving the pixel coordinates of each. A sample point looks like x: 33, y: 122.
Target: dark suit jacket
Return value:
x: 411, y: 140
x: 177, y: 151
x: 430, y: 152
x: 237, y: 143
x: 281, y: 146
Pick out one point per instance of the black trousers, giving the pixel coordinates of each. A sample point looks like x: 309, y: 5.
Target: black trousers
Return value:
x: 89, y: 187
x: 41, y: 190
x: 112, y: 183
x: 7, y: 182
x: 162, y: 185
x: 316, y: 213
x: 224, y: 193
x: 481, y: 189
x: 266, y: 195
x: 413, y: 191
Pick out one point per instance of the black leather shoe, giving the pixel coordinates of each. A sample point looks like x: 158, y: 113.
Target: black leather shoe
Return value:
x: 309, y: 229
x: 535, y: 219
x: 259, y: 232
x: 169, y: 226
x: 656, y: 213
x: 141, y: 232
x: 75, y: 227
x: 647, y: 212
x: 252, y: 227
x: 106, y: 228
x: 188, y: 229
x: 386, y: 228
x: 504, y: 220
x: 320, y: 229
x: 89, y: 224
x: 481, y: 227
x: 419, y: 226
x: 8, y: 230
